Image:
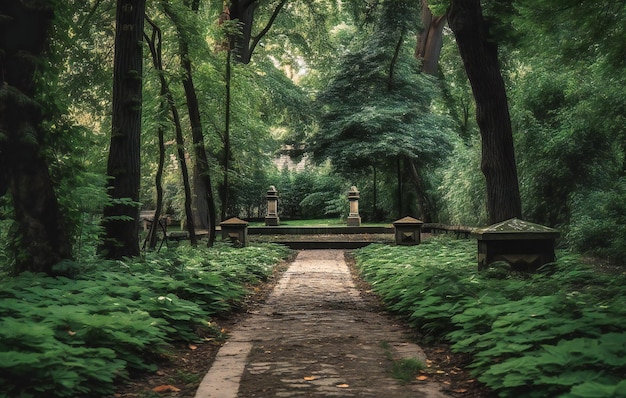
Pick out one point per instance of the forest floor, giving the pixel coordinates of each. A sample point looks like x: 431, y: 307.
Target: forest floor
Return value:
x: 184, y: 367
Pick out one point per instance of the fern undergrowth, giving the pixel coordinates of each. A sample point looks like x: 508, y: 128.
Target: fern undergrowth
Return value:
x: 560, y: 332
x: 78, y: 336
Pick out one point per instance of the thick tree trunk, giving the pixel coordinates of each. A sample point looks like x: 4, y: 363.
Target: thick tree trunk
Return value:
x: 243, y: 11
x: 243, y: 44
x: 121, y: 218
x: 43, y: 240
x: 430, y: 40
x: 480, y: 57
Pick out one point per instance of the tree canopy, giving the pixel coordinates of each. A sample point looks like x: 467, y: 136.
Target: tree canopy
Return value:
x: 328, y: 80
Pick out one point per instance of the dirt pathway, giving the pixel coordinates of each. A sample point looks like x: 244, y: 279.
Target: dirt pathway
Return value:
x: 315, y: 337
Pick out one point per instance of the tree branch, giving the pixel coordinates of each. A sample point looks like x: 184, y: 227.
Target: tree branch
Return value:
x: 394, y: 61
x: 258, y: 37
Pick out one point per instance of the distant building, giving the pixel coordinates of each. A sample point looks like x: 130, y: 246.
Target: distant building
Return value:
x: 285, y: 160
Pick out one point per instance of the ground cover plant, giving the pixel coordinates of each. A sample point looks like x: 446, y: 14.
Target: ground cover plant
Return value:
x: 78, y: 335
x: 560, y: 332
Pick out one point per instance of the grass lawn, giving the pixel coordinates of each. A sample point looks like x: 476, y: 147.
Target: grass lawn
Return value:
x: 325, y: 222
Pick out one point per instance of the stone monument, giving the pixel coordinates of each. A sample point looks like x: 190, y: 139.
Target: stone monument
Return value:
x: 272, y: 219
x: 354, y: 220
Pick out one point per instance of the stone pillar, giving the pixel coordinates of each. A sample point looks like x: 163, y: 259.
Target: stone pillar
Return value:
x: 354, y: 220
x: 524, y: 245
x: 236, y: 231
x: 271, y: 219
x: 407, y: 231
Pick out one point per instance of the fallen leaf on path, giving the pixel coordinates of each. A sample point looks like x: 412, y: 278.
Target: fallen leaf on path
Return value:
x: 192, y: 347
x: 460, y: 390
x: 309, y: 378
x: 165, y: 388
x: 344, y: 385
x: 422, y: 378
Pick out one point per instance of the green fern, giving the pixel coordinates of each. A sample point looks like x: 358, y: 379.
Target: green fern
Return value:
x: 558, y: 332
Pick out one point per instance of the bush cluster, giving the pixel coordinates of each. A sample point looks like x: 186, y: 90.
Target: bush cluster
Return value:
x: 67, y: 337
x: 558, y: 333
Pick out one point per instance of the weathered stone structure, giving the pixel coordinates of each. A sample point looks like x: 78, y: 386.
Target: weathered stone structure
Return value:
x: 522, y: 244
x: 407, y: 231
x: 354, y: 219
x: 236, y: 231
x: 271, y: 218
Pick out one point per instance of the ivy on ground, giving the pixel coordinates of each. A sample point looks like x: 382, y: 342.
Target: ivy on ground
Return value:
x: 560, y: 332
x: 76, y: 336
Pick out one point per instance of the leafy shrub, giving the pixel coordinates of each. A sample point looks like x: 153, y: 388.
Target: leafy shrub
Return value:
x: 598, y: 225
x: 62, y: 337
x: 462, y: 188
x: 559, y: 332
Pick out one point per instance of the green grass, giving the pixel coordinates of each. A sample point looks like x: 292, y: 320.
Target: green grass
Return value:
x: 560, y: 332
x: 406, y: 369
x: 326, y: 222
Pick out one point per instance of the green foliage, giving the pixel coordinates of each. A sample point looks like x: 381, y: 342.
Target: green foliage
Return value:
x: 75, y: 337
x: 310, y: 193
x: 598, y: 225
x: 378, y: 106
x: 559, y: 332
x: 462, y: 192
x: 568, y: 112
x: 406, y: 369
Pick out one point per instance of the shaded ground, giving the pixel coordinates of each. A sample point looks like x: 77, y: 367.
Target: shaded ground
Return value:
x: 186, y: 366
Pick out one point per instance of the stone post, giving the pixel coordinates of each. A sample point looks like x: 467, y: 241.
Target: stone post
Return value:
x: 354, y: 220
x: 272, y: 219
x: 522, y: 244
x: 236, y: 231
x: 407, y: 231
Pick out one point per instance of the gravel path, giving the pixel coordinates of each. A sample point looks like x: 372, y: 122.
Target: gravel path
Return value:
x: 315, y: 337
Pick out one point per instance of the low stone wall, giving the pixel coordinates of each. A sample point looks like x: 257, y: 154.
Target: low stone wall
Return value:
x: 319, y: 230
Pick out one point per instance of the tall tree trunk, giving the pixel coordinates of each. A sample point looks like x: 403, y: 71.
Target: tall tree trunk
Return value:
x: 430, y: 40
x: 226, y: 161
x: 152, y: 234
x: 154, y: 42
x: 243, y: 43
x: 43, y: 239
x: 203, y: 201
x: 480, y: 58
x: 243, y: 11
x: 423, y: 203
x: 121, y: 217
x: 400, y: 187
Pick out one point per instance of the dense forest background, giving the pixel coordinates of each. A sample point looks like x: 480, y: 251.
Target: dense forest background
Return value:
x: 368, y: 93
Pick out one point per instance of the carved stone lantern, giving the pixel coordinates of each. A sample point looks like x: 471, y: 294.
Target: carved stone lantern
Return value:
x: 272, y: 219
x: 407, y: 231
x: 522, y: 244
x: 354, y: 220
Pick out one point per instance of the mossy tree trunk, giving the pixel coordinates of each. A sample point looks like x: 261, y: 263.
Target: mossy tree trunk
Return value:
x: 42, y: 237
